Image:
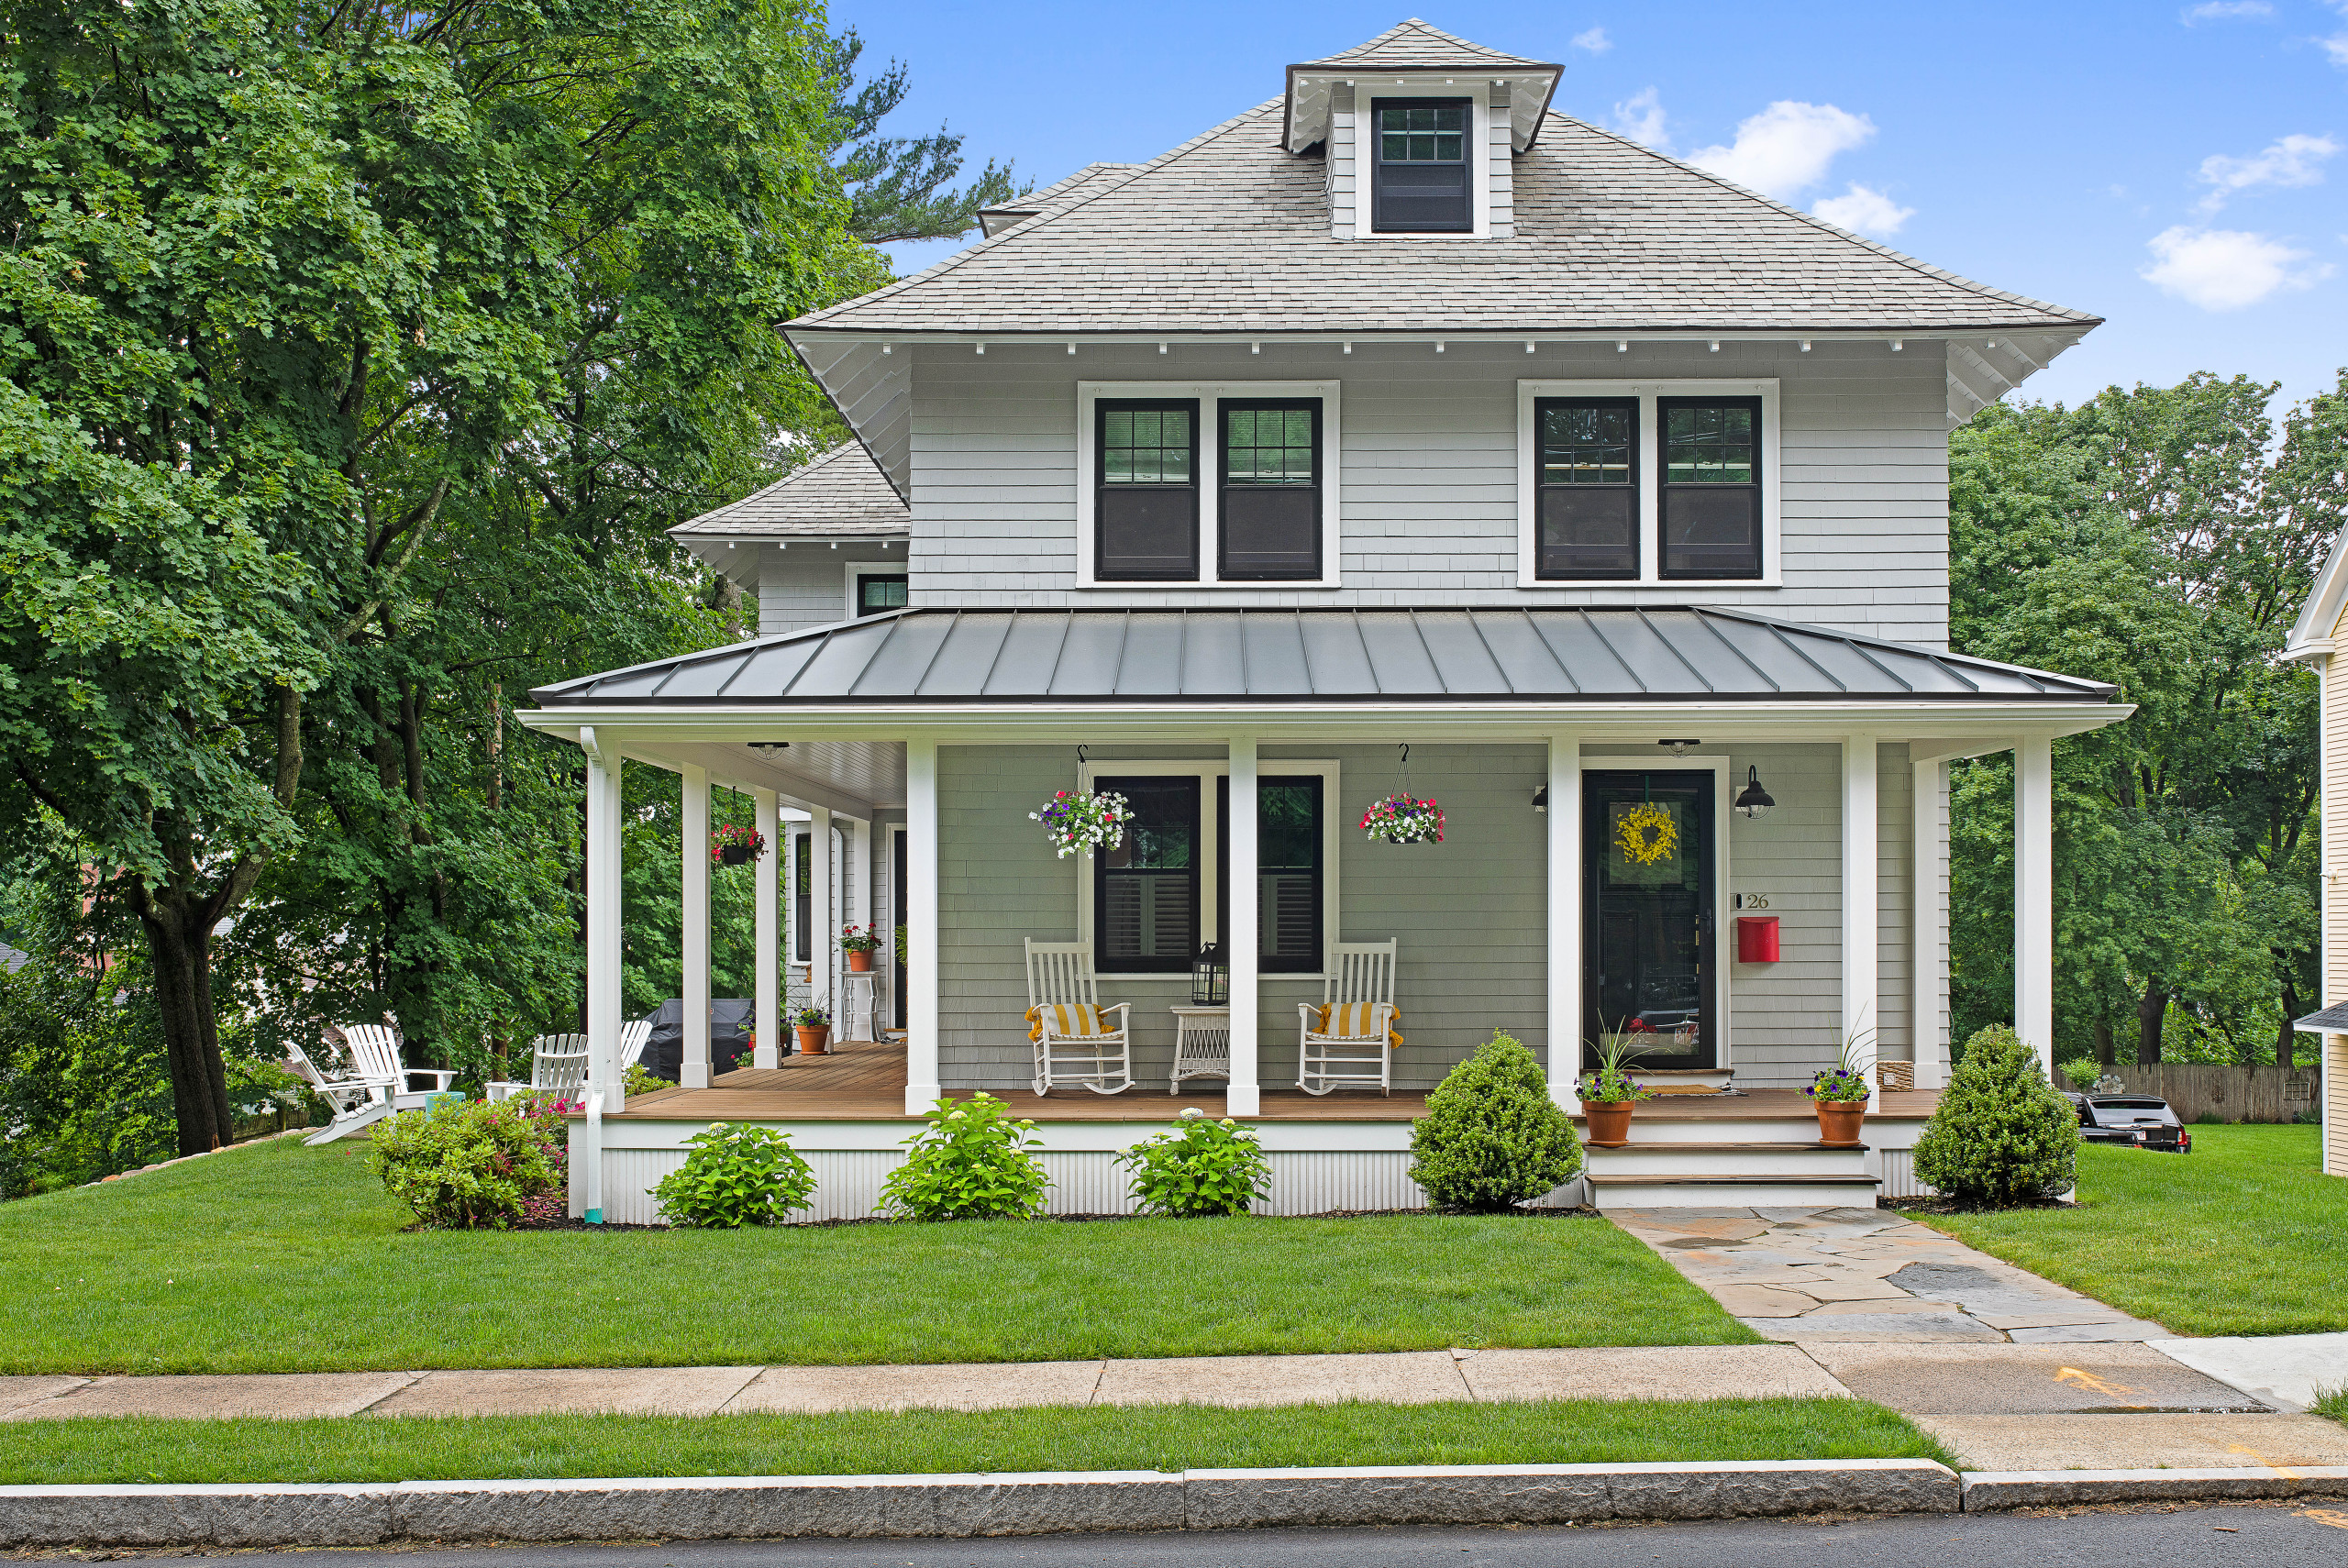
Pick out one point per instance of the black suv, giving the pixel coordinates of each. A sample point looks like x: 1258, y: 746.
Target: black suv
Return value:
x: 2140, y: 1120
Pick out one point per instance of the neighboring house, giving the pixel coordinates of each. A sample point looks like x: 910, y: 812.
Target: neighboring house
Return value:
x: 2321, y: 638
x: 1401, y: 411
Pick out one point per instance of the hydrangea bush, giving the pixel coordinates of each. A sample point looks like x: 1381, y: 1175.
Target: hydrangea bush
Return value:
x: 471, y: 1163
x: 2002, y: 1133
x: 735, y: 1176
x: 1492, y: 1138
x: 971, y: 1162
x: 1201, y: 1166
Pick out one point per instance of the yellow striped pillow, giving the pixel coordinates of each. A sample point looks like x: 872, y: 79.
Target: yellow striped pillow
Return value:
x: 1350, y: 1021
x: 1069, y: 1018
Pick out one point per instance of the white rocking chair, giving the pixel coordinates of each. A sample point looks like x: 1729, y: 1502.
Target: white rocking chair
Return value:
x: 1355, y: 1055
x: 1059, y: 976
x: 377, y: 1083
x: 558, y: 1066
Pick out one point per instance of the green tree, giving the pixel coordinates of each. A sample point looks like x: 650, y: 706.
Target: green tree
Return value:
x: 900, y: 185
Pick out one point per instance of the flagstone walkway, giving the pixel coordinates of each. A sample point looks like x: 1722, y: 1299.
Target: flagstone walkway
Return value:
x: 1842, y: 1275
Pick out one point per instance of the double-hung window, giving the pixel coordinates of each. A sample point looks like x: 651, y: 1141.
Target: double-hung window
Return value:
x: 1146, y: 891
x: 1418, y: 166
x: 1587, y: 469
x: 1146, y: 502
x: 1289, y: 850
x: 1268, y: 508
x: 1711, y: 486
x: 879, y: 593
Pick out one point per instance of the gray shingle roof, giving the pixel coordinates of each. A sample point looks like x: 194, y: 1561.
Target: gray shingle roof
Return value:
x: 1229, y: 233
x: 1058, y: 193
x: 1435, y: 656
x: 1414, y: 43
x: 840, y: 494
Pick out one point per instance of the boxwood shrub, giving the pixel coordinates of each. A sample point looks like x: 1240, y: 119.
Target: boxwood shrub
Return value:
x: 1492, y: 1138
x: 2002, y: 1133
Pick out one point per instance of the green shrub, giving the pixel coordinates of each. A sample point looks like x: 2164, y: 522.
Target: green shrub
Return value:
x: 970, y: 1163
x: 635, y: 1078
x: 2002, y: 1134
x: 2084, y: 1073
x: 1201, y: 1166
x: 1491, y: 1137
x: 471, y: 1164
x: 735, y: 1176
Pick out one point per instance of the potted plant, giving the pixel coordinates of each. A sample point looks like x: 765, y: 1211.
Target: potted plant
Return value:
x: 734, y: 845
x: 1840, y: 1096
x: 813, y: 1026
x: 860, y: 942
x: 1081, y: 823
x: 1400, y: 819
x: 1608, y: 1093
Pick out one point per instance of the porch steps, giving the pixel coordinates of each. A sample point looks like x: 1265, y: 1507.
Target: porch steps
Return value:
x: 1692, y: 1173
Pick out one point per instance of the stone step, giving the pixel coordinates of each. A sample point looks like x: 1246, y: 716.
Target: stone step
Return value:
x: 1821, y: 1191
x: 1743, y: 1158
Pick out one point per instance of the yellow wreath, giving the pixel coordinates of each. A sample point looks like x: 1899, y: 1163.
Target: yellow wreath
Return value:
x: 1631, y: 832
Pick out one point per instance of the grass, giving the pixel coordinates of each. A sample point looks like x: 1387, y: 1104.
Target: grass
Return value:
x: 1149, y: 1437
x: 2241, y: 1236
x: 2332, y: 1402
x: 275, y: 1258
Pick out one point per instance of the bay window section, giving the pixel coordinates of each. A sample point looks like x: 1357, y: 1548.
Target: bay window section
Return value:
x: 1268, y: 505
x: 1710, y: 493
x: 1146, y: 891
x: 1588, y: 472
x: 1145, y: 514
x: 1288, y: 889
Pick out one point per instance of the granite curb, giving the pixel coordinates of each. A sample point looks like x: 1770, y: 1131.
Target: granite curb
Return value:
x: 1989, y: 1491
x: 1042, y: 1502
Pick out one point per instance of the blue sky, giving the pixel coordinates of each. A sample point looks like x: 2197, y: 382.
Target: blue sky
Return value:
x: 2175, y: 169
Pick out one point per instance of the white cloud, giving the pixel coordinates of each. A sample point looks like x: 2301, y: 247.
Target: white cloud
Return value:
x: 1594, y: 42
x: 1640, y: 117
x: 1864, y: 210
x: 1785, y: 148
x: 2294, y: 161
x: 2228, y: 11
x: 2220, y: 268
x: 2336, y: 46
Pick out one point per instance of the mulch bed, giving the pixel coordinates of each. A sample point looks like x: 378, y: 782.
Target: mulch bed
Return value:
x: 548, y: 1214
x: 1950, y: 1206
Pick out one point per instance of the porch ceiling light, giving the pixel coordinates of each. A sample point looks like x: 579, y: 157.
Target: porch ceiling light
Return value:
x: 1679, y: 747
x: 1753, y: 803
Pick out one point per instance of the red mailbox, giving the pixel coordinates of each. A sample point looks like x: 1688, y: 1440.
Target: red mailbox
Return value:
x: 1756, y: 939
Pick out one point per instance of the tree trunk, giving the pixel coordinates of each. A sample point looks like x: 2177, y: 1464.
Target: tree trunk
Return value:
x: 2105, y: 1052
x: 2286, y: 1039
x: 2150, y: 1013
x: 179, y: 940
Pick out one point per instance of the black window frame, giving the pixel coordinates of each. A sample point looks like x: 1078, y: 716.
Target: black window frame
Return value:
x: 803, y: 895
x: 863, y: 577
x: 1180, y: 963
x: 1541, y: 488
x: 1376, y: 160
x: 1666, y: 490
x: 1103, y: 570
x: 1225, y: 409
x: 1310, y: 961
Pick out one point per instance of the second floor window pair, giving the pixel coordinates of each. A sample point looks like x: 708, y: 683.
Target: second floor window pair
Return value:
x: 1708, y: 503
x: 1265, y: 463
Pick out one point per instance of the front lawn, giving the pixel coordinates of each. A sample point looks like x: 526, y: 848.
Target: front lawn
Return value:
x: 2242, y: 1236
x: 1143, y: 1437
x: 278, y: 1258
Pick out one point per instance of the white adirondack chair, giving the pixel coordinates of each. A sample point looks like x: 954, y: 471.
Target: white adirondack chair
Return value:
x: 374, y: 1053
x: 1361, y: 972
x: 558, y: 1066
x: 348, y: 1093
x: 1059, y: 974
x: 634, y: 1036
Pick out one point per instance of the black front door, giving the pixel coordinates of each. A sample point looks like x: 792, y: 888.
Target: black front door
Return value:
x: 1649, y: 952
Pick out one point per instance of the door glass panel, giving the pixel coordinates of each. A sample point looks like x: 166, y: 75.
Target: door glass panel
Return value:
x: 1649, y: 959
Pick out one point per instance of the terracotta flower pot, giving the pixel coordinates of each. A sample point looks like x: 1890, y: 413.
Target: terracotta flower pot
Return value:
x: 1839, y: 1120
x: 1609, y: 1121
x: 814, y: 1041
x: 859, y: 963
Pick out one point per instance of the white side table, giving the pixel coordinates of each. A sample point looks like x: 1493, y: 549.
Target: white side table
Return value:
x: 1201, y: 1044
x: 858, y: 1004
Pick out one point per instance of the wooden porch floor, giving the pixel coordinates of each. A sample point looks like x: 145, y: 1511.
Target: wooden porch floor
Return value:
x: 863, y: 1082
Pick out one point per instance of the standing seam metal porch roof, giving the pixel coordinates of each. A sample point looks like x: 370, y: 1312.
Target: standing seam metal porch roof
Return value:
x: 1434, y: 655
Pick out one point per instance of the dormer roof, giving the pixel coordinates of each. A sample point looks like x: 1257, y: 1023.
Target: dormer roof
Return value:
x: 841, y: 494
x: 1413, y: 55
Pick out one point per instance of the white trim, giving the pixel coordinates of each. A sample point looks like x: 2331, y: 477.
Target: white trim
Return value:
x: 859, y: 571
x: 1528, y: 496
x: 2320, y: 616
x: 1206, y: 770
x: 1210, y: 396
x: 1367, y: 92
x: 1719, y: 767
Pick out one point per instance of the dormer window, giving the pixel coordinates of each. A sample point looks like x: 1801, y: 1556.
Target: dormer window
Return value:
x: 1419, y: 167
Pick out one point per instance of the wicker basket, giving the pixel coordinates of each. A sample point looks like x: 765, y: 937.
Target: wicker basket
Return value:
x: 1896, y: 1077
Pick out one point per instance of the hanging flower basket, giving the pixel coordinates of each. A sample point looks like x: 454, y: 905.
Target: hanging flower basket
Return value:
x: 1399, y: 819
x: 1079, y: 824
x: 734, y: 844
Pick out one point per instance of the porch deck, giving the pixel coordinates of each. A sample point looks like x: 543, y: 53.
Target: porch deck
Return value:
x: 866, y: 1082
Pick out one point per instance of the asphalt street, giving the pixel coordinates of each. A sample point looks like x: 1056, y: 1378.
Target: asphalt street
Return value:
x: 2277, y: 1536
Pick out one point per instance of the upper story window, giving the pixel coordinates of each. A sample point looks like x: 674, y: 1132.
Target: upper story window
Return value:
x: 1145, y: 508
x: 877, y: 592
x: 1269, y: 510
x: 1711, y: 486
x: 1420, y: 166
x: 1588, y: 471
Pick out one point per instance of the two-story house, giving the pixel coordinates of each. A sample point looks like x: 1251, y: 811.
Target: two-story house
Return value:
x: 1399, y: 434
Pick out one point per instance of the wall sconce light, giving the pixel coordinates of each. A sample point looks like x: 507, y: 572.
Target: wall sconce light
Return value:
x: 1541, y: 799
x: 1753, y: 803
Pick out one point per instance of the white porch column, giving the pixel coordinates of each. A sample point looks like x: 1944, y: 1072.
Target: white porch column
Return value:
x: 856, y: 905
x: 765, y: 929
x: 1242, y: 943
x: 602, y: 849
x: 823, y: 916
x: 1565, y: 920
x: 921, y: 926
x: 790, y: 895
x: 1861, y: 966
x: 1927, y: 915
x: 2034, y: 897
x: 693, y: 1072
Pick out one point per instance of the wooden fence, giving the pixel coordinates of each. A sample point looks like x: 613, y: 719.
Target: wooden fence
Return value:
x: 2195, y: 1089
